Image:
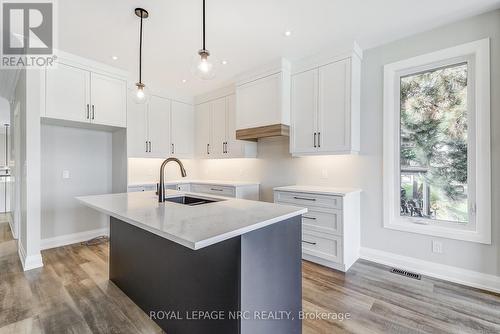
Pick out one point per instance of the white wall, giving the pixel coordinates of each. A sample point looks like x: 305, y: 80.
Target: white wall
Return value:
x: 87, y: 156
x: 275, y: 167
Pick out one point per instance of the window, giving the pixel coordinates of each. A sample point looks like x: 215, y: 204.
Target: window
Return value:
x: 437, y: 144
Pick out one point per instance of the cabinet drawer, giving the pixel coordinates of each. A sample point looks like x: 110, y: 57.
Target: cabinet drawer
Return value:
x: 328, y: 221
x: 309, y: 200
x: 213, y: 189
x: 328, y: 247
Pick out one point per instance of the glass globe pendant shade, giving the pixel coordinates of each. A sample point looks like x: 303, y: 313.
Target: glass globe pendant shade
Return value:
x: 140, y: 95
x: 202, y: 67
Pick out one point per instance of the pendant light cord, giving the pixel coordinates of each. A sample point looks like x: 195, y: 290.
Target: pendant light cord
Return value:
x: 140, y: 52
x: 204, y: 25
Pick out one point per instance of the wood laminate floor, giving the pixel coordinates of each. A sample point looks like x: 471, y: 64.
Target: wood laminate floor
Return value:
x: 72, y: 294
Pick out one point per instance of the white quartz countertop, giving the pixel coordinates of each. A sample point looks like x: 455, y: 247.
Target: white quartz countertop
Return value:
x: 192, y: 226
x: 337, y: 191
x: 209, y: 182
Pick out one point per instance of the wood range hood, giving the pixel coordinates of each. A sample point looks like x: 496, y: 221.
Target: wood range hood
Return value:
x: 253, y: 134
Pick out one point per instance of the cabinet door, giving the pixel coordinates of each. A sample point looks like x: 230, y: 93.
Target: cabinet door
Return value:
x: 334, y: 107
x: 202, y: 129
x: 109, y: 98
x: 304, y: 112
x: 159, y: 127
x: 137, y: 129
x: 182, y: 129
x: 234, y: 148
x: 219, y: 135
x: 67, y: 93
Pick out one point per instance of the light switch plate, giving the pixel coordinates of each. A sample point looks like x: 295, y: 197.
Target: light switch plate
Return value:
x: 65, y: 174
x: 437, y: 247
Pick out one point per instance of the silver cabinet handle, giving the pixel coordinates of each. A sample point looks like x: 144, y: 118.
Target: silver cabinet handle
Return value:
x: 215, y: 189
x: 304, y: 198
x: 88, y: 111
x: 147, y: 146
x: 208, y: 148
x: 150, y: 147
x: 315, y: 139
x: 311, y: 218
x: 93, y: 111
x: 173, y: 147
x: 308, y: 242
x: 319, y: 139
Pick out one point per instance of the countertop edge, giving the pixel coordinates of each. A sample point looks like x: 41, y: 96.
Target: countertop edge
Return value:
x: 199, y: 244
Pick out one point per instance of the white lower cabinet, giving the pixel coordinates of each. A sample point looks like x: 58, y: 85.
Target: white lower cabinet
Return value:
x: 245, y: 190
x: 330, y: 228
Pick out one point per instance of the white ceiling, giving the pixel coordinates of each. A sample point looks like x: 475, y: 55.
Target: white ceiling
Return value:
x: 246, y: 33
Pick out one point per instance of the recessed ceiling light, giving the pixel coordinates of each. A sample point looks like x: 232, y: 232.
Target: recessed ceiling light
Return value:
x: 287, y: 33
x: 114, y: 58
x: 224, y: 62
x: 184, y: 80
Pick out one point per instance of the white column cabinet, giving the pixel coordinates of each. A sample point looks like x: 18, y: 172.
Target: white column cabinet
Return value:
x: 182, y: 133
x: 325, y: 109
x: 216, y: 131
x: 76, y: 94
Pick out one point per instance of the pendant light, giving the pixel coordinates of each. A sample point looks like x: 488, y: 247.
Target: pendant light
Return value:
x: 203, y: 68
x: 141, y: 95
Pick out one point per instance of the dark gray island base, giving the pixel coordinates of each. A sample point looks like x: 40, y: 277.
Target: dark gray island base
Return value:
x: 250, y: 284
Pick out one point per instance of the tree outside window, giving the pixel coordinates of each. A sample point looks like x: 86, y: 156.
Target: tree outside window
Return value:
x: 433, y: 144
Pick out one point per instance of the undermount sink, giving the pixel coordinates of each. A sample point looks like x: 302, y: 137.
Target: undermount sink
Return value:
x: 190, y: 200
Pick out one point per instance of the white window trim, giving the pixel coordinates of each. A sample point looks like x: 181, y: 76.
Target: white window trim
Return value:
x: 479, y: 53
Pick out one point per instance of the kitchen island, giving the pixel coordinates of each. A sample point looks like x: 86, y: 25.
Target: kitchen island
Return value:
x: 220, y: 266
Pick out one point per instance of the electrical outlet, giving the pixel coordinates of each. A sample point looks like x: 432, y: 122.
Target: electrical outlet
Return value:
x: 437, y: 247
x: 65, y: 174
x: 324, y: 173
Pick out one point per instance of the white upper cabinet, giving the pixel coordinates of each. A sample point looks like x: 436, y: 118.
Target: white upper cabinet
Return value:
x: 325, y: 108
x: 109, y: 100
x: 77, y: 90
x: 159, y: 127
x: 137, y: 129
x: 304, y: 111
x: 219, y: 128
x: 68, y: 93
x: 182, y: 129
x: 216, y: 131
x: 236, y: 148
x: 203, y: 128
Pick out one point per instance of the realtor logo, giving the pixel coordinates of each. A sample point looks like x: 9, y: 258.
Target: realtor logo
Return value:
x: 28, y: 34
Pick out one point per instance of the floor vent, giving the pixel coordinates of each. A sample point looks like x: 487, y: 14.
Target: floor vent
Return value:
x: 406, y: 273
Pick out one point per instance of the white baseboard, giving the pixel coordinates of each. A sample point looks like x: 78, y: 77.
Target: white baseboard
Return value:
x: 441, y: 271
x: 13, y: 230
x: 68, y: 239
x: 31, y: 261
